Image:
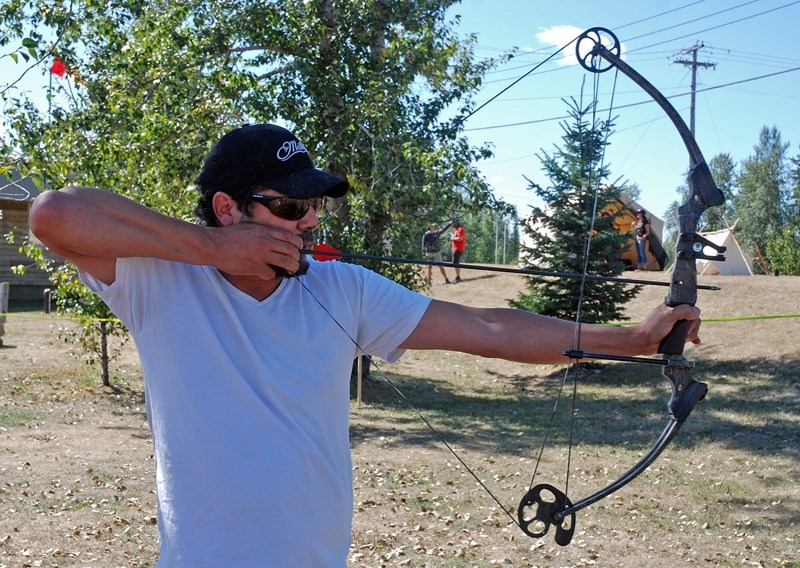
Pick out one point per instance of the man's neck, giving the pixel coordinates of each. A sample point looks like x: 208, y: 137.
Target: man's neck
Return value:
x: 257, y: 288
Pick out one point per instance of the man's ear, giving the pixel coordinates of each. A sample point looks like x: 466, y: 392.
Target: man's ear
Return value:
x: 226, y: 209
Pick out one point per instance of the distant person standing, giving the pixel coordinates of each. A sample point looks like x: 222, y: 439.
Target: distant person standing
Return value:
x: 432, y: 249
x: 641, y: 226
x: 458, y: 242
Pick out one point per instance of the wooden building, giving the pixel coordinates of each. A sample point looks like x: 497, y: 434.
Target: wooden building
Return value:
x: 16, y: 198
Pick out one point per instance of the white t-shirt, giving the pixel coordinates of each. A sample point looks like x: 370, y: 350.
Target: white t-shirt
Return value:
x: 248, y: 402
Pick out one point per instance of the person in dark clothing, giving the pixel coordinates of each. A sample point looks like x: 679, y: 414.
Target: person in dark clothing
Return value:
x: 432, y: 249
x: 641, y: 226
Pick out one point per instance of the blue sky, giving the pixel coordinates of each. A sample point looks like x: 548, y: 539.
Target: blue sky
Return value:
x: 748, y: 40
x: 745, y: 39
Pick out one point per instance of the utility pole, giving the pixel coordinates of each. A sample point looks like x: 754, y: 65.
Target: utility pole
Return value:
x: 694, y: 63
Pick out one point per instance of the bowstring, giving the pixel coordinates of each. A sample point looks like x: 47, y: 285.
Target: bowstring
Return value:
x: 571, y: 369
x: 592, y: 182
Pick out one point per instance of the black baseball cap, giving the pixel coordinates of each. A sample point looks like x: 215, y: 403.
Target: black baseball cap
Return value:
x: 268, y: 155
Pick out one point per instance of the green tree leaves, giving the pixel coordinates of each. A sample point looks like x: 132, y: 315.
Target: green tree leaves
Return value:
x: 376, y: 91
x: 762, y: 198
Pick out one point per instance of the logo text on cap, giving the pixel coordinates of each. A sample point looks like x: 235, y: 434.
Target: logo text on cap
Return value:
x: 289, y: 149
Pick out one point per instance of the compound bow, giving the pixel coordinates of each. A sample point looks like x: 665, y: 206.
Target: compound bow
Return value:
x: 544, y: 505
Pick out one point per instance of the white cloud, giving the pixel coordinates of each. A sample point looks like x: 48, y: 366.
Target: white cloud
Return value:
x: 498, y: 181
x: 560, y: 36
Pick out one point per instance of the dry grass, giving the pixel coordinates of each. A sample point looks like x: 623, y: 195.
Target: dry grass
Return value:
x: 76, y: 474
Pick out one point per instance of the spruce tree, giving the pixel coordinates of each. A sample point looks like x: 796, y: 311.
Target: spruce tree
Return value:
x: 558, y: 232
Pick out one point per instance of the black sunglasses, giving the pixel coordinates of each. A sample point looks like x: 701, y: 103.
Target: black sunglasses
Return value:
x: 289, y: 208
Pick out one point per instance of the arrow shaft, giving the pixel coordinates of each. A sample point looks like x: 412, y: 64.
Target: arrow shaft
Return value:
x: 490, y: 268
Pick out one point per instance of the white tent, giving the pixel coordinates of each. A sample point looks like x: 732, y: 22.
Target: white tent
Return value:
x: 737, y: 262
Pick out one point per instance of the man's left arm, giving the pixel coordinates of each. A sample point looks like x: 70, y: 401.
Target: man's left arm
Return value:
x: 517, y: 335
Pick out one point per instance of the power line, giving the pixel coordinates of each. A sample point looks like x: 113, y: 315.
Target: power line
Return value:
x: 750, y: 17
x: 717, y: 13
x: 690, y: 4
x: 563, y: 117
x: 768, y: 57
x: 763, y: 61
x: 639, y: 21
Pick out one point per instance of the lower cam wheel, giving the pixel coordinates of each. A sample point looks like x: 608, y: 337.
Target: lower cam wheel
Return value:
x: 547, y: 505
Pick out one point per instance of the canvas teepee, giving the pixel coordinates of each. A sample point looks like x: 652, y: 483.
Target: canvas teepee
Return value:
x: 737, y: 262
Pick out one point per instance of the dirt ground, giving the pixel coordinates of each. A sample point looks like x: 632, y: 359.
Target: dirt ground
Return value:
x: 77, y: 472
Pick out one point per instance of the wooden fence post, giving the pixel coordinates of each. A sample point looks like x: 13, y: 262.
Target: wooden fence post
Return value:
x: 359, y: 373
x: 4, y: 291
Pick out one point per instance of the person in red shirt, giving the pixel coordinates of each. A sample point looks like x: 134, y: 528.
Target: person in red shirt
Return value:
x: 458, y: 244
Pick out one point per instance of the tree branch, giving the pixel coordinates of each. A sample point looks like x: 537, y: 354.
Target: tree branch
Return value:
x: 274, y: 72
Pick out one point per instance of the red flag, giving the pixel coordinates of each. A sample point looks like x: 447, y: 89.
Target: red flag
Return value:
x: 58, y: 67
x: 321, y: 249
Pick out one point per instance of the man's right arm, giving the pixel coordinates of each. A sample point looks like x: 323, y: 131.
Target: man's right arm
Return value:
x: 92, y: 228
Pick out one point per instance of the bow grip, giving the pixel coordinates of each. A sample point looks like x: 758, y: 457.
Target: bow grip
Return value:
x: 673, y: 343
x: 682, y: 290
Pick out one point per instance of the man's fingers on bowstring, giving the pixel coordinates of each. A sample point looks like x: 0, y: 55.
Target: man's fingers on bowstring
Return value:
x: 284, y: 242
x: 281, y: 249
x: 272, y: 238
x: 251, y: 249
